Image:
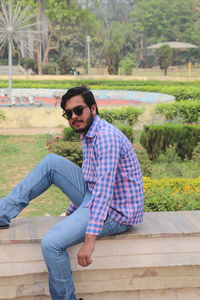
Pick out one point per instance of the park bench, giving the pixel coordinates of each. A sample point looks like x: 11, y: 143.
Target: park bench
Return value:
x: 157, y: 260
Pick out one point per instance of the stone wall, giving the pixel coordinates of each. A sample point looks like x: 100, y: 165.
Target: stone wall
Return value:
x: 158, y: 260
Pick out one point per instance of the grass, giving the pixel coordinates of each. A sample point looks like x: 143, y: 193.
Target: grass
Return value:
x: 18, y: 156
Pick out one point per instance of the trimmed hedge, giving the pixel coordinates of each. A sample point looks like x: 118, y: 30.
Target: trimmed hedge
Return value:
x: 188, y: 111
x: 127, y: 114
x: 157, y: 138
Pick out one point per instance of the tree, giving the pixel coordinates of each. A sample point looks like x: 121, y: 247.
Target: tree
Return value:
x: 164, y: 55
x: 119, y: 41
x: 157, y: 21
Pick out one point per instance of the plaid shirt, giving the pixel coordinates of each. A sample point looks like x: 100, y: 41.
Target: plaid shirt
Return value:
x: 113, y: 176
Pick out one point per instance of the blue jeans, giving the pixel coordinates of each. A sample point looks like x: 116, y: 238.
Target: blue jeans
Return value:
x: 54, y: 169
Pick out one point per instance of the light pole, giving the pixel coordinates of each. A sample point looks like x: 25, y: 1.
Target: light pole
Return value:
x: 88, y: 40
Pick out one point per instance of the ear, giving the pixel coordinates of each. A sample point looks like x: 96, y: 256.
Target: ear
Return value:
x: 94, y: 110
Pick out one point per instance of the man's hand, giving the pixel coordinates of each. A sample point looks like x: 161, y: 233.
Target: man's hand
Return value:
x: 86, y: 250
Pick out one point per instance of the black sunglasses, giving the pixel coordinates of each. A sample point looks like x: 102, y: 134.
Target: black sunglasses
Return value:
x: 78, y: 110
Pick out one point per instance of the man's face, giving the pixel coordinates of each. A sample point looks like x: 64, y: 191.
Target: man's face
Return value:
x: 81, y: 123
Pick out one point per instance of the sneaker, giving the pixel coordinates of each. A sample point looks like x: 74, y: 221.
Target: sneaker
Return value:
x: 4, y: 226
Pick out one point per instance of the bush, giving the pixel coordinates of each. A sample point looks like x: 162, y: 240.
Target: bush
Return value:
x: 157, y: 138
x: 127, y: 64
x: 70, y: 150
x: 196, y: 153
x: 145, y: 163
x: 29, y: 63
x: 127, y: 114
x: 127, y: 130
x: 66, y: 63
x: 50, y: 68
x: 188, y: 111
x: 70, y: 135
x: 172, y: 194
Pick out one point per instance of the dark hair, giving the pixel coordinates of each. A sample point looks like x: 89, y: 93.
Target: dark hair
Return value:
x: 79, y: 90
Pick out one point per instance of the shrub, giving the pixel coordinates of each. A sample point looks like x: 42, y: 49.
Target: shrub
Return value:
x: 172, y: 194
x: 127, y: 114
x: 29, y: 63
x: 70, y: 150
x: 188, y: 111
x: 127, y: 64
x: 157, y: 138
x: 145, y: 163
x: 50, y: 68
x: 196, y: 153
x: 70, y: 135
x: 127, y: 130
x: 66, y: 62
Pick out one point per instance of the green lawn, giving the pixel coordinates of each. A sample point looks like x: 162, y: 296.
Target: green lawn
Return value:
x: 18, y: 156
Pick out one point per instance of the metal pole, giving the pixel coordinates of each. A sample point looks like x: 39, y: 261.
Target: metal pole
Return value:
x: 10, y: 32
x: 9, y: 69
x: 88, y: 54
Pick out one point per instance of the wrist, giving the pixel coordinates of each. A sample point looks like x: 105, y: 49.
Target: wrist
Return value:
x: 90, y: 238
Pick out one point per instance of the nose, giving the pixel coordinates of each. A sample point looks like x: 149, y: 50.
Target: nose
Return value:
x: 74, y: 116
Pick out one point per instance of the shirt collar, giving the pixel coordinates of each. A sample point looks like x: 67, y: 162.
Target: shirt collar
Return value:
x: 93, y: 129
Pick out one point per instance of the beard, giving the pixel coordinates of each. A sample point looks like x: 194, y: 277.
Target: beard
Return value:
x: 86, y: 127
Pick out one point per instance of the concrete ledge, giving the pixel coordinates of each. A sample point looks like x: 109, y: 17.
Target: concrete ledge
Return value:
x: 159, y: 259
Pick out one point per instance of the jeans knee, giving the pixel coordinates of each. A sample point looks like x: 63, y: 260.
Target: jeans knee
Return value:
x: 47, y: 245
x: 51, y: 157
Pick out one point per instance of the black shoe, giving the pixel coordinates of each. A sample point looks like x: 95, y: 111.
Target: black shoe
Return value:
x: 4, y: 226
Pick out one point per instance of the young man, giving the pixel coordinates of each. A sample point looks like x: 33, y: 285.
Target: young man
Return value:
x: 106, y: 194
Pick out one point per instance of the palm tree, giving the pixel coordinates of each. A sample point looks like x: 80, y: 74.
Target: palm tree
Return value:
x: 15, y: 25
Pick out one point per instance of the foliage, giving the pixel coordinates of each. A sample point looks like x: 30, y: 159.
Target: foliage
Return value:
x: 71, y: 151
x: 164, y: 55
x: 2, y: 115
x: 70, y: 135
x: 50, y: 68
x: 172, y: 194
x: 118, y: 43
x: 196, y: 153
x: 127, y: 131
x: 127, y: 114
x: 127, y: 64
x: 160, y: 21
x: 157, y: 138
x: 28, y: 63
x: 66, y: 63
x: 188, y: 111
x: 145, y: 163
